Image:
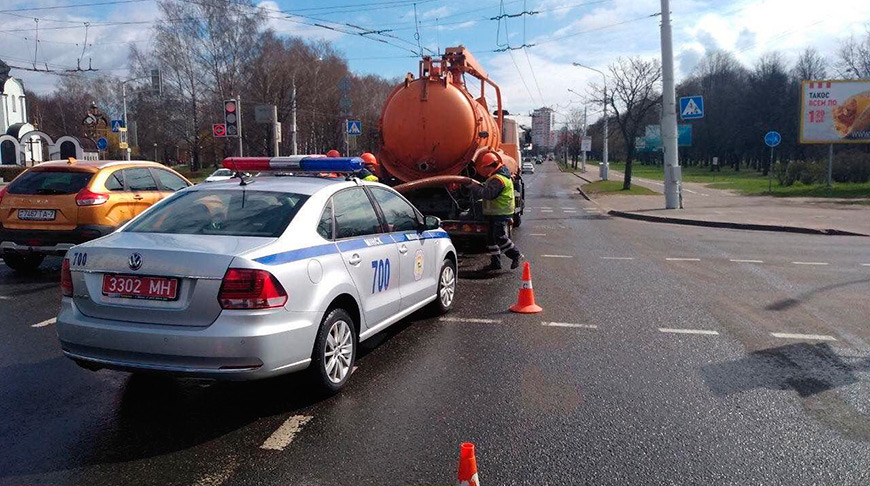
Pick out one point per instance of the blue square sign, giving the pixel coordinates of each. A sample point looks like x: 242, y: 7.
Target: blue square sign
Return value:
x: 354, y: 127
x: 692, y: 107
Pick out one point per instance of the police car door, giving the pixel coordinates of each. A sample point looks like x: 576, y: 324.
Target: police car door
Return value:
x: 417, y: 255
x: 369, y: 255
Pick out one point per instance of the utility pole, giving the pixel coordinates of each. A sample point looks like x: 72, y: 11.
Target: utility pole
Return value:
x: 293, y: 147
x: 124, y: 97
x: 583, y: 160
x: 605, y: 164
x: 673, y: 176
x: 239, y: 117
x: 276, y: 132
x: 346, y: 139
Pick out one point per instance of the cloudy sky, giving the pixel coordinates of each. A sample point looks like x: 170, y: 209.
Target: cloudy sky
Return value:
x: 593, y: 32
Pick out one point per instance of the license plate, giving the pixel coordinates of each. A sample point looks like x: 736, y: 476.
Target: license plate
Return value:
x: 136, y: 287
x: 37, y: 214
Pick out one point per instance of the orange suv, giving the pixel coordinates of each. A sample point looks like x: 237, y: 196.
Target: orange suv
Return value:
x: 51, y: 207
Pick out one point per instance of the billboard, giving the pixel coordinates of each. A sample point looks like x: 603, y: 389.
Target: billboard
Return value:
x: 652, y: 139
x: 835, y: 111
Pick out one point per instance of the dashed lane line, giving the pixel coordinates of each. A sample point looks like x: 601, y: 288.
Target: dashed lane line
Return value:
x: 810, y: 337
x: 216, y: 478
x: 46, y: 322
x: 810, y: 263
x: 683, y: 259
x: 537, y: 234
x: 469, y: 319
x: 545, y: 207
x: 557, y: 256
x: 746, y: 261
x: 568, y: 211
x: 569, y: 324
x: 283, y: 436
x: 546, y: 210
x: 617, y: 258
x: 706, y: 332
x: 865, y: 264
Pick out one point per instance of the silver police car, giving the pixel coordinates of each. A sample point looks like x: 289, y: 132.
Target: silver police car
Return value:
x: 253, y: 278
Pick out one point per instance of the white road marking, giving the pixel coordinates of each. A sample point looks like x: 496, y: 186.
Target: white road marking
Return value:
x: 814, y: 337
x: 283, y: 436
x: 810, y: 263
x: 537, y: 234
x: 46, y: 322
x: 747, y: 261
x: 689, y: 331
x: 568, y: 211
x: 617, y: 258
x: 569, y: 324
x: 469, y: 319
x: 591, y: 209
x: 865, y: 264
x: 5, y: 297
x: 567, y: 208
x: 557, y: 256
x: 545, y: 207
x: 683, y: 259
x: 546, y: 210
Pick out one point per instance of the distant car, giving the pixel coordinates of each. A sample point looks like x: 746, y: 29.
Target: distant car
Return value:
x: 221, y: 175
x: 57, y: 204
x: 243, y: 281
x: 539, y: 160
x: 551, y: 157
x: 528, y: 167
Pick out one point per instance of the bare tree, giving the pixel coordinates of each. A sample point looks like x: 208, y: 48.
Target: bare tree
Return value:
x: 632, y: 93
x: 854, y: 57
x: 810, y: 65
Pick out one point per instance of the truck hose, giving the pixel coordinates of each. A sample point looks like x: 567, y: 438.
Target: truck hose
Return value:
x: 437, y: 181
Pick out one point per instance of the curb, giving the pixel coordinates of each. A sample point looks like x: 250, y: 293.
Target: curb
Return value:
x: 725, y: 224
x: 581, y: 177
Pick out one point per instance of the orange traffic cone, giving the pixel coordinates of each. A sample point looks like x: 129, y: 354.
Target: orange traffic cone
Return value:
x: 467, y: 465
x: 526, y: 300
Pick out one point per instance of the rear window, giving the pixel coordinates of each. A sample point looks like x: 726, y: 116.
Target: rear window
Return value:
x: 50, y: 182
x: 230, y: 213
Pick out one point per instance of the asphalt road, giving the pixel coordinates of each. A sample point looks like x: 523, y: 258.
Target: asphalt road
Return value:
x: 670, y: 355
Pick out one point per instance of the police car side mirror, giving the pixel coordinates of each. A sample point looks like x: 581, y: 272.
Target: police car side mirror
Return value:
x: 431, y: 222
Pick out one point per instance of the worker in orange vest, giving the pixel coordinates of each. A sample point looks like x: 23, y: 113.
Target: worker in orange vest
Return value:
x: 498, y: 208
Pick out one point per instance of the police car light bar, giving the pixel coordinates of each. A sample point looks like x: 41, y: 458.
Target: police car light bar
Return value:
x: 295, y: 163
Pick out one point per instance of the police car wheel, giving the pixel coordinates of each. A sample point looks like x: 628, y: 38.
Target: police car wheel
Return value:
x: 446, y: 287
x: 334, y: 351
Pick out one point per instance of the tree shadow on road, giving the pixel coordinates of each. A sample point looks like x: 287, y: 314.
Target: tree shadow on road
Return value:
x: 786, y: 304
x: 814, y: 371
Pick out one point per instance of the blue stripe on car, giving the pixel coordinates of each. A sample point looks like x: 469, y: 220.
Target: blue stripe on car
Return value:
x: 347, y: 245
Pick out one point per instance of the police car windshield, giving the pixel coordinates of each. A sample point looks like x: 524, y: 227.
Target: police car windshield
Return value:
x: 228, y: 212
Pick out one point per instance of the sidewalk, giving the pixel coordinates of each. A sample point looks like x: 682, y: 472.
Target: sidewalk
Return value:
x: 704, y: 206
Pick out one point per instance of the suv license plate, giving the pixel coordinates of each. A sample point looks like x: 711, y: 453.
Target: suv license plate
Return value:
x: 136, y: 287
x: 36, y: 214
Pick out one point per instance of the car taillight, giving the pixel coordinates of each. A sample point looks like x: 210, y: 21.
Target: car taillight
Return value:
x: 245, y: 288
x: 86, y: 197
x: 66, y: 284
x: 3, y: 192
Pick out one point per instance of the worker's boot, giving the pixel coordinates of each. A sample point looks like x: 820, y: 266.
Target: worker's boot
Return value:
x: 515, y: 261
x: 494, y: 263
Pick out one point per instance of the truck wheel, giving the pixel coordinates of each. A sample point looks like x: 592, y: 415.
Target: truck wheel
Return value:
x: 23, y: 263
x: 517, y: 220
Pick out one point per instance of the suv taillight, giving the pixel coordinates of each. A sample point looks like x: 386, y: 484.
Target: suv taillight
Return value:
x: 66, y: 279
x: 245, y: 288
x: 3, y: 192
x: 86, y: 197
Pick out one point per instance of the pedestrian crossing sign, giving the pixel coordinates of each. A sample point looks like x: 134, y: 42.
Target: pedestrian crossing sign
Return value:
x: 692, y: 107
x: 354, y: 127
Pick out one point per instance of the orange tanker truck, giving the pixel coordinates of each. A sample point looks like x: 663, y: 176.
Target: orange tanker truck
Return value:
x: 432, y: 130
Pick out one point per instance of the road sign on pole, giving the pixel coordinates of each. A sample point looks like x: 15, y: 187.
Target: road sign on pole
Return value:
x: 354, y: 127
x: 219, y: 130
x: 692, y: 107
x: 102, y: 143
x: 772, y: 138
x: 586, y: 145
x: 117, y: 125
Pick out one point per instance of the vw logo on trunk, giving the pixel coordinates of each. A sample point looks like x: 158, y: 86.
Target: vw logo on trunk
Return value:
x: 135, y: 261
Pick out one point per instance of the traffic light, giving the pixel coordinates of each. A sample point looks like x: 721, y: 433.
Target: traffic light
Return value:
x: 231, y: 117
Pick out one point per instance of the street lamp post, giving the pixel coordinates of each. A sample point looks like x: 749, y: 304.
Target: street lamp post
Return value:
x: 673, y: 199
x: 605, y: 165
